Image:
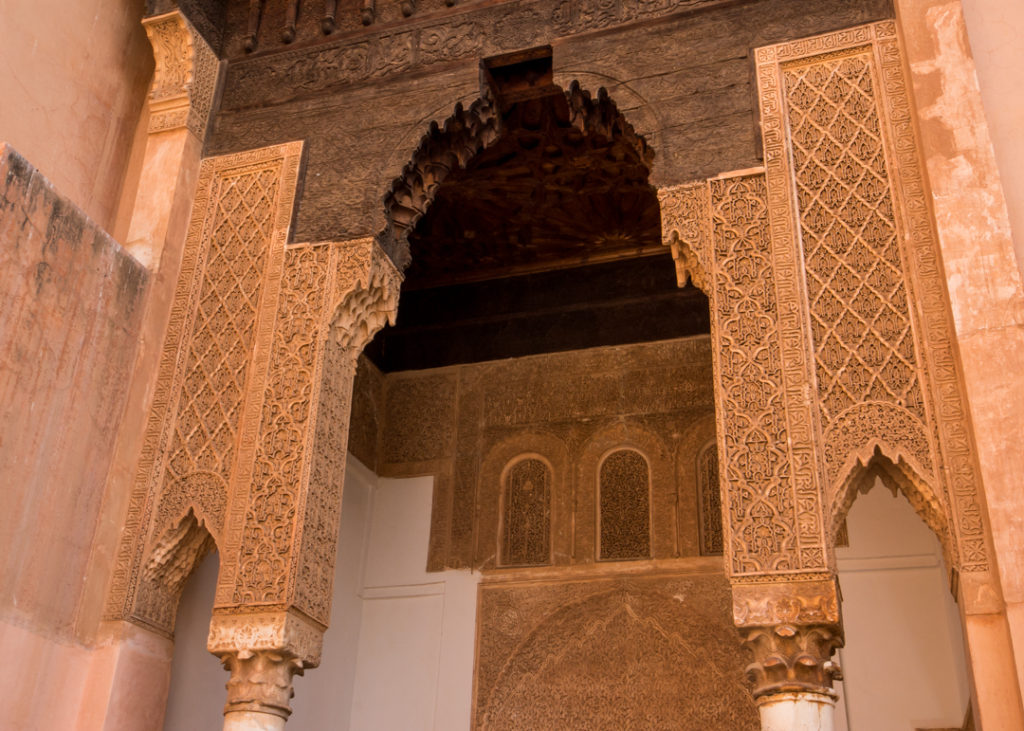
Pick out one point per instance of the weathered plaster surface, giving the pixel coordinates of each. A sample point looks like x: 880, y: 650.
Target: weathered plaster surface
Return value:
x: 73, y: 305
x: 982, y: 275
x: 995, y: 28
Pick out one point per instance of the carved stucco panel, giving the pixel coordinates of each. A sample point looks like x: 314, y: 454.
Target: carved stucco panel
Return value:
x: 185, y: 78
x: 197, y: 432
x: 765, y: 444
x: 331, y: 299
x: 886, y: 372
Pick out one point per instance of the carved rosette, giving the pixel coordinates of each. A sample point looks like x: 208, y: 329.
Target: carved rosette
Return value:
x: 185, y: 77
x: 792, y: 629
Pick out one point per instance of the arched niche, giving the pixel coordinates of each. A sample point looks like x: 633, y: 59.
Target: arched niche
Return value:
x: 661, y: 499
x: 496, y: 469
x: 623, y: 506
x: 524, y: 531
x: 709, y: 496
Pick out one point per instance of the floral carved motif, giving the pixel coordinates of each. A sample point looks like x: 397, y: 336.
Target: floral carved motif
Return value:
x: 686, y: 230
x: 771, y: 495
x: 185, y: 78
x: 197, y: 431
x: 885, y: 372
x: 330, y: 300
x: 526, y: 513
x: 625, y: 506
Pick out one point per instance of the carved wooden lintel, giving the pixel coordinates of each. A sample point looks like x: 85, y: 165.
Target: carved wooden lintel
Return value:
x: 185, y: 77
x: 792, y: 629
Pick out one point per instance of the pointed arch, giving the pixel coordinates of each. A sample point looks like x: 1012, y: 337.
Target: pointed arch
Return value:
x: 170, y: 560
x: 451, y: 145
x: 898, y: 475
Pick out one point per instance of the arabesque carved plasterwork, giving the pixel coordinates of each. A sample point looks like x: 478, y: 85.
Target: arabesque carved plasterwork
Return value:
x: 331, y: 298
x: 837, y: 123
x: 199, y: 428
x: 686, y: 230
x: 765, y: 449
x: 185, y: 78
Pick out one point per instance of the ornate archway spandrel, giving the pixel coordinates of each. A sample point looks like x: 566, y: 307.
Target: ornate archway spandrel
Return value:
x: 846, y: 176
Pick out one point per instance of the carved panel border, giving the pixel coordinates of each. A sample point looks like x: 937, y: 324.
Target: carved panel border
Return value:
x: 766, y: 445
x: 951, y: 457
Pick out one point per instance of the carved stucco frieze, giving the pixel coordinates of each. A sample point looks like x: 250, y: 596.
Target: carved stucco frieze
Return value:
x: 844, y: 169
x: 199, y: 429
x: 185, y: 77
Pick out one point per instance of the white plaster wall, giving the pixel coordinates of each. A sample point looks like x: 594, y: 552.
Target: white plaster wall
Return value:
x: 196, y: 697
x: 399, y: 653
x: 903, y: 664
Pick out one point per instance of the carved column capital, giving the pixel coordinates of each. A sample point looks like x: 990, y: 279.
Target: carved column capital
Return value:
x: 792, y: 628
x: 185, y: 76
x: 686, y: 230
x: 365, y: 292
x: 263, y: 651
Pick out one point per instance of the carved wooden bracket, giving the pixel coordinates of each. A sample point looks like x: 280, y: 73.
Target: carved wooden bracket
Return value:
x: 185, y: 77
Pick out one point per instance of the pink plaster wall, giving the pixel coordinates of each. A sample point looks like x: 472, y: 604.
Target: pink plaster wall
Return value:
x: 72, y: 309
x: 73, y: 79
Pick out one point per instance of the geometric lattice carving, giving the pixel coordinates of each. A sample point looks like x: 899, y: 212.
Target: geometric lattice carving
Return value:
x: 200, y: 424
x: 625, y: 506
x: 839, y: 133
x: 526, y: 514
x: 864, y: 344
x: 710, y: 495
x: 220, y: 350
